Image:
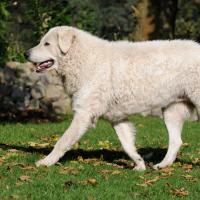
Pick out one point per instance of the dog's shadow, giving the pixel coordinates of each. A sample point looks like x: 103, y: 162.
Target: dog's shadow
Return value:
x: 150, y: 155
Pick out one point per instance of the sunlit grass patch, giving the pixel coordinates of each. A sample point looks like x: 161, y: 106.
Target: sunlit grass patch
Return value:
x: 97, y: 167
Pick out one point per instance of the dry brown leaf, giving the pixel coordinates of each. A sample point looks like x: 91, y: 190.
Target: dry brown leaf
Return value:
x: 69, y: 170
x: 13, y: 150
x: 91, y: 198
x: 117, y: 172
x: 90, y: 181
x: 190, y: 178
x: 114, y: 165
x: 54, y: 138
x: 105, y: 144
x: 166, y: 171
x: 186, y: 144
x: 141, y: 125
x: 76, y: 146
x: 15, y: 196
x: 38, y: 145
x: 187, y: 167
x: 51, y: 139
x: 27, y: 167
x: 93, y: 161
x: 179, y: 192
x: 177, y: 164
x: 24, y: 178
x: 1, y: 161
x: 80, y: 158
x: 196, y: 160
x: 7, y: 155
x: 107, y: 171
x: 149, y: 182
x: 23, y: 166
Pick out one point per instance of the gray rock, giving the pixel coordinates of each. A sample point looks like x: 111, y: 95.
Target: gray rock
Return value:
x: 62, y: 106
x: 38, y: 91
x: 34, y: 104
x: 53, y: 92
x: 18, y: 94
x: 22, y: 88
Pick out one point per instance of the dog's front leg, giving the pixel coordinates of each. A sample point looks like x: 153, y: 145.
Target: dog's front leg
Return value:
x: 78, y: 127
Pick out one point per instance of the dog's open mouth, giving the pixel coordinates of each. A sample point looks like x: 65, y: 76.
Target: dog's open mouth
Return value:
x: 40, y: 67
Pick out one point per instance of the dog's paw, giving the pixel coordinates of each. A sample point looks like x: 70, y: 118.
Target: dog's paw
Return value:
x: 44, y: 162
x: 159, y: 166
x: 140, y: 167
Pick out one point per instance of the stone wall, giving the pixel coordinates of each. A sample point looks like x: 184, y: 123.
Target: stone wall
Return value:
x: 22, y: 89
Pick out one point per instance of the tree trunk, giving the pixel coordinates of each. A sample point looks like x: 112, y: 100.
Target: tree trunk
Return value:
x: 156, y: 19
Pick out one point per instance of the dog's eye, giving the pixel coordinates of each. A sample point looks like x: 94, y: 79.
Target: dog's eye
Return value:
x: 46, y: 44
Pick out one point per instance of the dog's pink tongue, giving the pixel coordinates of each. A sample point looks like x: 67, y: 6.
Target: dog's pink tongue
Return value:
x: 44, y: 64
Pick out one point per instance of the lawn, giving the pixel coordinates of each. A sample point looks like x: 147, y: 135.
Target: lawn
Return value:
x: 97, y: 167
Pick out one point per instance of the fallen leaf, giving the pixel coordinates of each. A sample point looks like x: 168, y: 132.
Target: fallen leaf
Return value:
x: 149, y: 182
x: 91, y: 198
x: 13, y: 150
x: 51, y: 139
x: 114, y: 172
x: 1, y: 161
x: 196, y: 161
x: 186, y: 144
x: 190, y: 178
x: 177, y: 164
x: 93, y: 161
x: 24, y: 178
x: 187, y: 167
x: 69, y: 170
x: 166, y: 171
x: 104, y: 144
x: 15, y: 196
x: 141, y: 125
x: 24, y: 166
x: 80, y: 158
x: 114, y: 165
x: 90, y: 181
x: 38, y: 145
x: 27, y: 167
x: 179, y: 192
x: 6, y: 156
x: 54, y: 138
x: 76, y: 146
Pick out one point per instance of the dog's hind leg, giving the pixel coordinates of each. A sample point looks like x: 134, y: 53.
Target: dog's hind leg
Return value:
x: 174, y: 118
x: 126, y: 134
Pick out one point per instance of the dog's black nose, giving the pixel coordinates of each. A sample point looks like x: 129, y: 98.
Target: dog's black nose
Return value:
x: 27, y: 54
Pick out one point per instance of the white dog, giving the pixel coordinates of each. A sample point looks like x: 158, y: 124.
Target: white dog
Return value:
x: 116, y: 79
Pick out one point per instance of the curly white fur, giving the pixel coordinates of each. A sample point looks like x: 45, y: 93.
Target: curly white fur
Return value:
x: 116, y: 79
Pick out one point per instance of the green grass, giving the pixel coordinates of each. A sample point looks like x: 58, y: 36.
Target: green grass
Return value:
x: 96, y: 168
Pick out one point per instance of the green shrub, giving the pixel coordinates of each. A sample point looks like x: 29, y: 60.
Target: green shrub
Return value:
x: 3, y: 44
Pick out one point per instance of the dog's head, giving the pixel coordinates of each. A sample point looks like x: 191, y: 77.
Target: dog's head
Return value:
x: 55, y: 44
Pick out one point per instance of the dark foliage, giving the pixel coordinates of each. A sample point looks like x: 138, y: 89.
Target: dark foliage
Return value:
x: 113, y: 20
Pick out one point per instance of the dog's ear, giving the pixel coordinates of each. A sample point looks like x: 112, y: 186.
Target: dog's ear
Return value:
x: 66, y: 37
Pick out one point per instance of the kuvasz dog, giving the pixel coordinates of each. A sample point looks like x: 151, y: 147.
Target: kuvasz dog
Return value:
x: 113, y: 80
